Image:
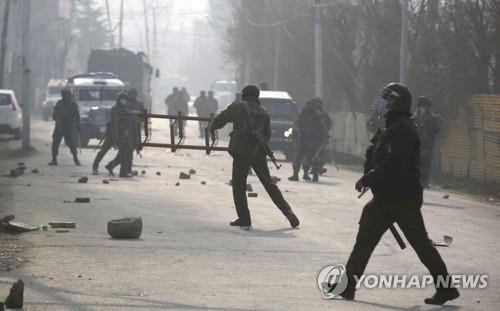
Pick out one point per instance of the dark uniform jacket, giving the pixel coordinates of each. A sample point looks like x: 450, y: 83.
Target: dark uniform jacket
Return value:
x: 311, y: 127
x: 122, y: 125
x: 393, y: 161
x: 67, y: 116
x: 242, y: 141
x: 428, y: 128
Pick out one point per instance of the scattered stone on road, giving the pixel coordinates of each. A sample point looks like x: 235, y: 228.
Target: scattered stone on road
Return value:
x: 7, y: 224
x: 177, y: 184
x: 82, y: 200
x: 83, y: 180
x: 183, y: 175
x: 143, y: 172
x: 446, y: 196
x: 192, y: 172
x: 253, y: 195
x: 447, y: 240
x: 16, y: 172
x: 125, y: 228
x: 63, y: 224
x: 35, y: 171
x: 158, y: 173
x: 135, y: 173
x: 105, y: 181
x: 203, y: 182
x: 16, y: 296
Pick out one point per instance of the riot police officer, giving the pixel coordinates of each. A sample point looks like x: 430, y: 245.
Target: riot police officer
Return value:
x: 392, y: 172
x: 428, y: 129
x: 124, y: 131
x: 67, y: 118
x: 249, y: 118
x: 309, y: 130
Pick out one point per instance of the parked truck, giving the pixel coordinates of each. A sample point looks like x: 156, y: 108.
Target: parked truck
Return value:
x: 131, y: 68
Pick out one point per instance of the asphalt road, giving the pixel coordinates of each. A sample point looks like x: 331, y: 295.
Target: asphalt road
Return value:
x: 188, y: 258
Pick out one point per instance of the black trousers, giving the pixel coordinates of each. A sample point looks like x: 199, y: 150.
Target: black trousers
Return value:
x: 303, y: 157
x: 241, y: 166
x: 123, y: 158
x: 374, y: 222
x: 106, y: 146
x: 69, y: 139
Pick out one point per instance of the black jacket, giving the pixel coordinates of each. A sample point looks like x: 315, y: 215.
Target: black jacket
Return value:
x: 242, y: 141
x: 67, y: 116
x: 396, y: 169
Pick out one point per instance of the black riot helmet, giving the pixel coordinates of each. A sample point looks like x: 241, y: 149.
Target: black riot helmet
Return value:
x: 250, y: 91
x: 66, y: 94
x: 397, y: 97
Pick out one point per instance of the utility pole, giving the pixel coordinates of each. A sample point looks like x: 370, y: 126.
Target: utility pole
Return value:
x: 318, y: 50
x: 120, y: 38
x: 26, y: 74
x: 146, y: 26
x: 110, y: 24
x: 403, y: 69
x: 3, y: 48
x: 277, y: 48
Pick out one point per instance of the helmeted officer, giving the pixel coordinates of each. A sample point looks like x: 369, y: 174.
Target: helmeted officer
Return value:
x: 392, y: 172
x: 67, y: 118
x: 124, y: 131
x: 428, y: 129
x: 248, y: 116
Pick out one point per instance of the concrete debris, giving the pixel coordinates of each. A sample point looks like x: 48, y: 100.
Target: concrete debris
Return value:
x: 446, y: 196
x: 249, y: 188
x: 183, y: 175
x: 63, y: 224
x: 203, y: 182
x: 82, y: 200
x: 16, y: 172
x: 253, y: 195
x: 7, y: 224
x: 192, y: 172
x: 16, y: 296
x: 62, y: 231
x: 143, y: 172
x: 177, y: 184
x: 105, y: 181
x: 158, y: 173
x: 447, y: 240
x: 83, y: 180
x: 125, y: 228
x: 35, y: 171
x: 135, y: 173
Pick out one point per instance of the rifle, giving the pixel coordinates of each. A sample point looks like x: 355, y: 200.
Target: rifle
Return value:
x: 260, y: 140
x: 393, y: 229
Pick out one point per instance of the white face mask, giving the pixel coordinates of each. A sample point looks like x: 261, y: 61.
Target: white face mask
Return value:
x: 382, y: 104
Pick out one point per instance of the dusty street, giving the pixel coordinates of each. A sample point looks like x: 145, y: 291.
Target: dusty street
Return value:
x: 188, y: 258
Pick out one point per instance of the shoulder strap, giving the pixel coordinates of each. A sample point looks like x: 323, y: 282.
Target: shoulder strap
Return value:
x: 251, y: 122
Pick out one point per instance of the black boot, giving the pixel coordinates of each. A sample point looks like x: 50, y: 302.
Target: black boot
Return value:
x: 294, y: 177
x: 53, y: 162
x: 442, y: 296
x: 75, y: 160
x: 292, y: 218
x: 306, y: 176
x: 315, y: 178
x: 239, y: 223
x: 110, y: 170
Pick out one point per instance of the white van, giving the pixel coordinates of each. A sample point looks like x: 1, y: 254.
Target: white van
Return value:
x: 11, y: 114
